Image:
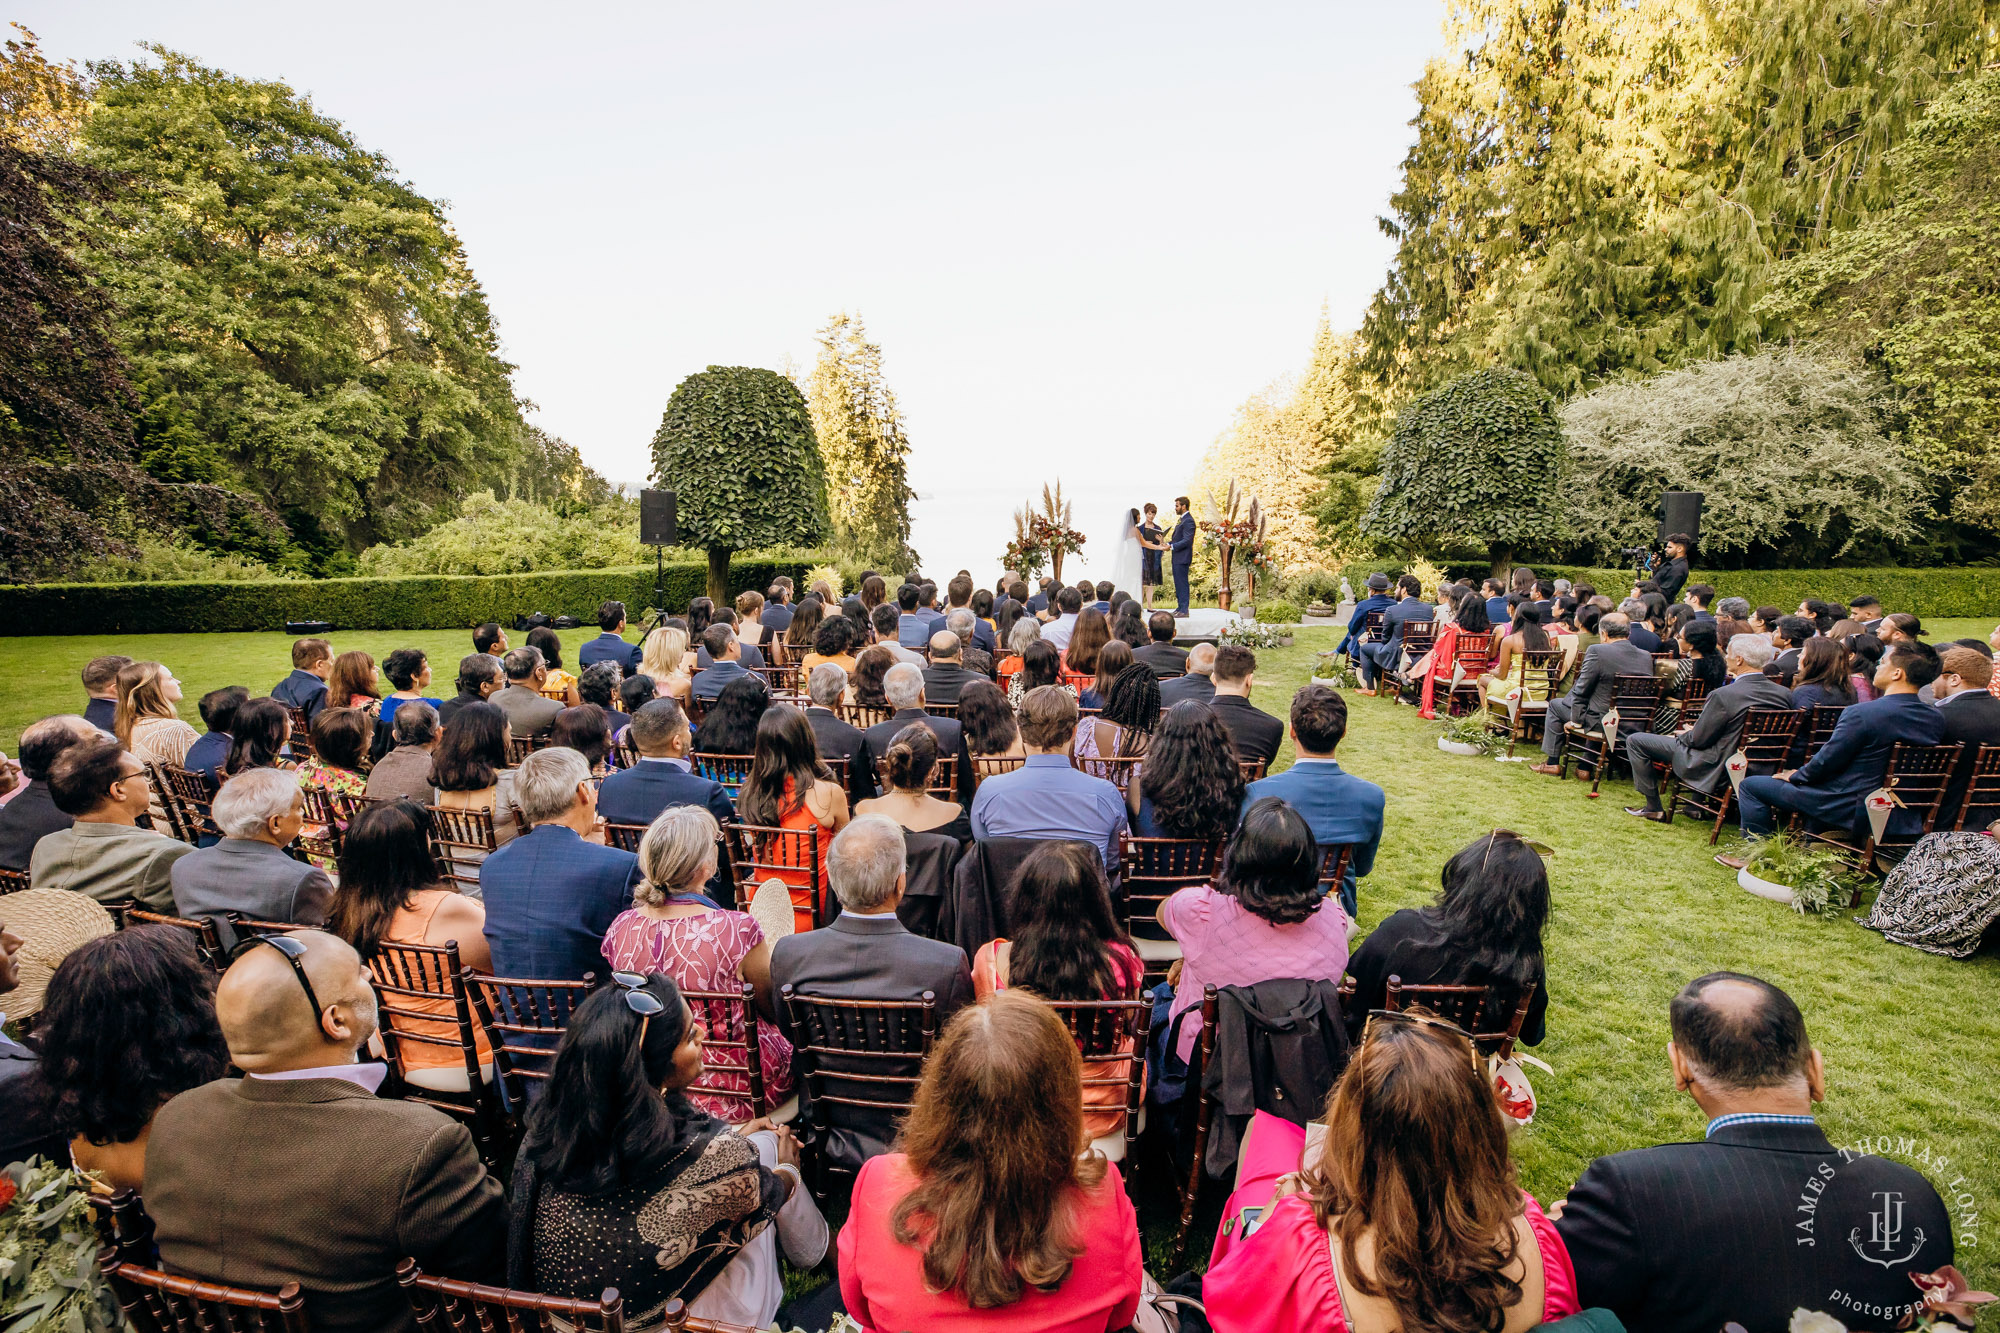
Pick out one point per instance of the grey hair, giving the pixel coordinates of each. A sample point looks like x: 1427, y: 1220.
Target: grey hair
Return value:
x: 903, y: 685
x: 1563, y: 585
x: 960, y: 621
x: 1201, y: 659
x: 1617, y: 625
x: 1632, y: 608
x: 415, y: 723
x: 1027, y: 630
x: 1736, y: 608
x: 866, y: 861
x: 676, y: 852
x: 1752, y: 650
x: 250, y: 800
x: 521, y: 663
x: 545, y: 784
x: 827, y: 684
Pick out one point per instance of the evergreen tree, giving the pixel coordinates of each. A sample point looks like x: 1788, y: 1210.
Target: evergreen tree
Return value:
x: 863, y: 446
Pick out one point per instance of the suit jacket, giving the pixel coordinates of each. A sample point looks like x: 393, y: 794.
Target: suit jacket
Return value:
x: 1645, y: 638
x: 752, y: 656
x: 301, y: 689
x: 1336, y: 805
x: 103, y: 713
x: 251, y: 877
x: 1199, y: 688
x: 451, y: 706
x: 237, y: 1196
x: 1855, y: 758
x: 1701, y: 753
x: 638, y: 794
x: 24, y: 820
x: 550, y: 896
x: 608, y: 647
x: 528, y: 713
x: 1747, y: 1226
x: 873, y: 958
x: 944, y: 681
x: 1972, y: 718
x: 29, y: 1127
x: 402, y: 774
x: 1358, y: 622
x: 206, y: 755
x: 1597, y: 678
x: 711, y: 680
x: 1672, y: 577
x: 843, y: 740
x: 1254, y: 733
x: 109, y: 862
x: 1182, y: 541
x: 1401, y: 614
x: 1166, y: 659
x: 950, y: 739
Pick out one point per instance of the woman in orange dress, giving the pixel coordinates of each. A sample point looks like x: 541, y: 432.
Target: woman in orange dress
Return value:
x: 789, y: 788
x: 1470, y: 636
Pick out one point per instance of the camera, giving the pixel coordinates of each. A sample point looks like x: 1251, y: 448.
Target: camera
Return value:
x: 1642, y: 558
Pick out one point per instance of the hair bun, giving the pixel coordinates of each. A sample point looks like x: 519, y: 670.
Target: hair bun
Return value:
x: 912, y: 755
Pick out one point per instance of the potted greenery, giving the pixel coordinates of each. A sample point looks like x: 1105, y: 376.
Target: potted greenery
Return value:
x: 1809, y: 878
x: 49, y: 1276
x: 1466, y: 736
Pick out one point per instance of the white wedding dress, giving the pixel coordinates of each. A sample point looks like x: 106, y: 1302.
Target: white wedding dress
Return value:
x: 1125, y: 567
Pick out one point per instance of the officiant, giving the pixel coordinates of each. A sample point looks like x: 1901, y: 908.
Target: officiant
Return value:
x: 1150, y: 533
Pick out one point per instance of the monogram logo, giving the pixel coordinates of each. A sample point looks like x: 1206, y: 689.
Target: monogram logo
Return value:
x: 1885, y: 1233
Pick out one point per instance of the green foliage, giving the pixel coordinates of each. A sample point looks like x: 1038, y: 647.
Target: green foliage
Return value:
x: 1470, y: 730
x: 1317, y: 585
x: 493, y: 536
x: 156, y: 559
x: 862, y: 444
x: 1277, y: 612
x: 1821, y: 881
x: 427, y: 602
x: 49, y: 1278
x: 1791, y: 450
x: 1916, y: 288
x: 1480, y: 459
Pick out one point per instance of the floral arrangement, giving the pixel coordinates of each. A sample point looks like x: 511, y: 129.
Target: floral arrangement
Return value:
x: 1337, y: 671
x: 1042, y: 535
x: 48, y: 1252
x: 1254, y: 634
x: 1233, y: 533
x: 1470, y: 730
x: 1821, y: 880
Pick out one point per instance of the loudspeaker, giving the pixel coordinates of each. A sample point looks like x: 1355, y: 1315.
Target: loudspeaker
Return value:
x: 656, y: 519
x: 1680, y: 511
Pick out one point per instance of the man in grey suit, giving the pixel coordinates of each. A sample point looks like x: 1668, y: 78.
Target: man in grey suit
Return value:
x: 1596, y: 683
x: 259, y: 812
x: 867, y: 954
x: 1698, y: 751
x: 1198, y: 684
x: 528, y: 713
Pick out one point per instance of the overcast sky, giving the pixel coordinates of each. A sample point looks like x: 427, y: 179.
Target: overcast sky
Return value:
x: 1081, y: 233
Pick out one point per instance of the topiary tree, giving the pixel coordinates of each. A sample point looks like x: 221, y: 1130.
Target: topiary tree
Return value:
x: 1479, y: 461
x: 736, y: 446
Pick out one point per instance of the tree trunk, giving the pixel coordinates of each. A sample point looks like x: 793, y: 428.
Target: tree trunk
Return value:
x: 718, y: 575
x: 1502, y: 556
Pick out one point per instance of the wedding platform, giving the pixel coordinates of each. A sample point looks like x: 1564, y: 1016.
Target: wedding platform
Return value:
x: 1202, y: 625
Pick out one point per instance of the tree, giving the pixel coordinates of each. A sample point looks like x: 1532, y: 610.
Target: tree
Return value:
x: 862, y: 443
x: 1789, y: 448
x: 42, y: 104
x: 1479, y: 460
x: 736, y: 446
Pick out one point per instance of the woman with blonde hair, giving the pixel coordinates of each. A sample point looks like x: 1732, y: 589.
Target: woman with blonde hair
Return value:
x: 145, y: 720
x: 664, y: 658
x: 672, y: 928
x: 998, y: 1116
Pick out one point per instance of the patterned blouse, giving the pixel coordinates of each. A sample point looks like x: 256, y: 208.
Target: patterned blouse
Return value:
x: 334, y: 782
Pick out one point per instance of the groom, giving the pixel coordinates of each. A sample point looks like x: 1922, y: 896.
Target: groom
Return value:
x: 1182, y: 545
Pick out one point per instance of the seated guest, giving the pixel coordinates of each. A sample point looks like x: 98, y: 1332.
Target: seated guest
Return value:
x: 409, y: 670
x: 864, y: 682
x: 1700, y: 664
x: 104, y: 853
x: 912, y: 629
x: 258, y: 737
x: 663, y: 661
x: 834, y: 642
x: 312, y: 663
x: 491, y: 640
x: 1899, y: 627
x: 1597, y: 676
x: 469, y: 772
x: 1648, y: 615
x: 218, y: 714
x: 1831, y: 790
x: 701, y: 614
x: 1822, y: 678
x: 1789, y: 637
x: 403, y: 1179
x: 100, y: 689
x: 1467, y: 639
x: 673, y: 927
x: 479, y: 679
x: 404, y: 774
x: 1971, y: 718
x: 1411, y: 1218
x: 33, y: 811
x: 1131, y: 713
x: 1047, y: 797
x: 338, y: 763
x: 750, y: 626
x: 1264, y: 917
x: 725, y: 663
x: 986, y: 723
x: 1495, y: 593
x: 1086, y: 641
x: 1864, y: 659
x: 354, y: 682
x: 903, y: 688
x: 392, y: 891
x: 909, y: 765
x: 663, y: 778
x: 1525, y: 635
x: 789, y: 788
x: 1684, y: 1237
x: 1068, y: 606
x: 635, y: 692
x: 945, y: 675
x: 1338, y: 807
x: 146, y: 723
x: 1378, y: 598
x: 1190, y: 785
x: 586, y: 730
x: 1764, y: 620
x: 1485, y: 929
x: 260, y: 812
x: 730, y: 724
x: 1112, y: 658
x: 1375, y: 658
x: 623, y: 1182
x: 1699, y: 753
x: 551, y: 893
x: 778, y: 611
x: 1195, y: 684
x: 1041, y: 665
x: 803, y: 630
x: 128, y: 1022
x: 748, y: 654
x: 546, y: 642
x: 1160, y: 653
x: 1254, y: 733
x: 838, y: 739
x: 885, y: 620
x: 866, y: 953
x: 528, y: 713
x: 1025, y: 631
x: 925, y: 1246
x: 976, y: 660
x: 609, y: 645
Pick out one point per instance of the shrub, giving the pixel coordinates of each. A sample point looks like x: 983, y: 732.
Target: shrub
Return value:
x: 1278, y: 612
x: 155, y: 559
x: 1317, y: 585
x: 494, y: 536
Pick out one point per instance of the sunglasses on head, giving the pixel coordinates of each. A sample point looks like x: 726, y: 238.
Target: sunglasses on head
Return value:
x: 638, y: 999
x: 1378, y: 1018
x: 1539, y: 848
x: 293, y: 950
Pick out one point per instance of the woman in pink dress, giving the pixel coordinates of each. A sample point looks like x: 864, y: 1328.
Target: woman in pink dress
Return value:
x: 671, y: 929
x: 1410, y: 1218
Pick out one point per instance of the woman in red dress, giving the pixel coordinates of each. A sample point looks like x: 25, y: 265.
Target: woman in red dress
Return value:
x: 789, y: 788
x: 1468, y: 638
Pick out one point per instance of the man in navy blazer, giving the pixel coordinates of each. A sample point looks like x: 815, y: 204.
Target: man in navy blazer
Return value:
x: 1181, y: 543
x: 1378, y: 599
x: 1336, y: 805
x: 1831, y: 789
x: 1375, y: 658
x: 662, y: 777
x: 550, y: 895
x: 610, y: 646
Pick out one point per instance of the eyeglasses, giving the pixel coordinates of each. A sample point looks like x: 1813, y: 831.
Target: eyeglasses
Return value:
x: 638, y: 999
x: 1539, y: 848
x: 293, y: 950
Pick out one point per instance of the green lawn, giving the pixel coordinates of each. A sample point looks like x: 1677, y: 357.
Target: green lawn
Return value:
x: 1909, y: 1039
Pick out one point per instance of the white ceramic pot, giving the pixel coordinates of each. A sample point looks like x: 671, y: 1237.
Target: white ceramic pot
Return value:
x: 1763, y: 888
x: 1458, y: 747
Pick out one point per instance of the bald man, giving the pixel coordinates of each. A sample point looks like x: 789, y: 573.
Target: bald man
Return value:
x: 298, y: 1172
x: 1198, y: 684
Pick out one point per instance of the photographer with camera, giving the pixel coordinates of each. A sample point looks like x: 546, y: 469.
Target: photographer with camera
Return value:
x: 1672, y: 575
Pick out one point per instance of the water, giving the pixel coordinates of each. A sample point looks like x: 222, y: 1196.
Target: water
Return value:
x: 967, y: 527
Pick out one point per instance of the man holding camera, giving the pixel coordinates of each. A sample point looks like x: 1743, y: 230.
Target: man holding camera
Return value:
x: 1673, y: 575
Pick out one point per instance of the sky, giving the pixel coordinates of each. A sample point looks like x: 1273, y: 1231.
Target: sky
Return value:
x: 1081, y: 233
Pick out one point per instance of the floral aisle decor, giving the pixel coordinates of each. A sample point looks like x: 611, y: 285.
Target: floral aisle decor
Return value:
x: 1813, y: 879
x: 1254, y: 634
x: 1232, y: 532
x: 49, y: 1277
x: 1024, y: 554
x: 1042, y: 534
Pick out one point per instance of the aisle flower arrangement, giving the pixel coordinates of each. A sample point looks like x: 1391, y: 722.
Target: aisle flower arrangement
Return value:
x: 48, y: 1252
x: 1042, y: 535
x: 1233, y: 533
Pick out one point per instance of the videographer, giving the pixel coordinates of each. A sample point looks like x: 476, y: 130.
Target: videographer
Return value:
x: 1673, y: 575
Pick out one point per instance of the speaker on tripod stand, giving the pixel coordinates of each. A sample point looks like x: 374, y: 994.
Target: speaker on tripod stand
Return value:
x: 658, y: 528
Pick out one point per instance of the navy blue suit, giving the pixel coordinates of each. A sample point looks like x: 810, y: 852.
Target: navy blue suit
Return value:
x: 301, y: 689
x: 637, y: 795
x: 1831, y: 790
x: 1358, y: 622
x: 1496, y: 611
x: 609, y: 647
x: 206, y: 755
x: 711, y: 681
x: 1377, y: 657
x: 1182, y: 543
x: 1337, y: 806
x: 550, y: 896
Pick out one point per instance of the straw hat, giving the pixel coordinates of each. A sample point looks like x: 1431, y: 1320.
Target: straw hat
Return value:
x: 52, y: 924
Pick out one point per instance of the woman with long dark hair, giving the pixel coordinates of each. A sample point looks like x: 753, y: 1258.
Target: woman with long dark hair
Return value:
x: 1190, y: 786
x: 1527, y: 636
x: 1484, y: 929
x: 339, y: 763
x: 1041, y: 664
x: 804, y: 629
x: 1130, y: 715
x: 587, y: 730
x: 930, y: 1244
x: 1112, y: 658
x: 1086, y: 640
x: 1700, y: 660
x: 1823, y: 676
x: 865, y: 688
x: 1128, y: 624
x: 258, y: 736
x: 730, y: 725
x: 701, y: 613
x: 621, y: 1182
x: 986, y: 720
x: 789, y: 788
x: 911, y: 759
x: 354, y: 682
x: 873, y: 592
x: 469, y: 772
x: 1412, y: 1218
x: 1864, y: 658
x: 1469, y: 636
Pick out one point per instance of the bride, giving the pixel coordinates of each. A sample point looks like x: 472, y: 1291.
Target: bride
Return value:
x: 1125, y: 573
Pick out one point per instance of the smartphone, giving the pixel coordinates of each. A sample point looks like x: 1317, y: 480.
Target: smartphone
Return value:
x: 1253, y: 1217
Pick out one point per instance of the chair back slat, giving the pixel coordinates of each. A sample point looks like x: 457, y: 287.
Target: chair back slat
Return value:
x: 1819, y: 727
x: 1767, y: 736
x: 865, y: 1054
x: 1252, y: 769
x: 461, y: 840
x: 1334, y: 858
x: 1465, y: 1006
x: 941, y: 710
x: 524, y: 1020
x: 731, y: 770
x: 864, y: 716
x: 1152, y: 870
x: 625, y: 837
x: 943, y: 782
x: 13, y: 881
x: 1108, y: 1031
x: 188, y: 798
x: 157, y: 1302
x: 447, y: 1305
x: 301, y: 743
x: 1419, y: 636
x: 201, y: 932
x: 758, y: 852
x: 1371, y: 628
x: 1982, y: 789
x: 1919, y: 776
x: 422, y: 999
x: 987, y: 766
x: 730, y: 1050
x: 1118, y: 770
x: 520, y: 747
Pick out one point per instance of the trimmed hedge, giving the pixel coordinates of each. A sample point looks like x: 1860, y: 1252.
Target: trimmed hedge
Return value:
x: 414, y: 602
x: 1972, y: 590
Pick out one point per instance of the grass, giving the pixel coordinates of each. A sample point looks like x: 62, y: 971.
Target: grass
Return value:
x: 1909, y: 1038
